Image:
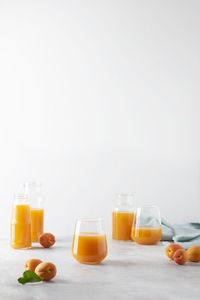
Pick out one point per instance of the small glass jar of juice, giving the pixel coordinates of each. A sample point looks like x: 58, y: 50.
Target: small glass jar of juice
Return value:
x: 20, y: 234
x: 33, y: 190
x: 123, y: 217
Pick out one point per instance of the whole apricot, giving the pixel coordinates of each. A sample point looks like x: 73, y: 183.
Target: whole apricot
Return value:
x: 31, y: 264
x: 180, y: 256
x: 46, y: 271
x: 47, y: 240
x: 193, y: 253
x: 171, y: 249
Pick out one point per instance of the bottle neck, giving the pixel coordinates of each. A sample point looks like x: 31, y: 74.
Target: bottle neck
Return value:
x: 124, y: 202
x: 21, y: 199
x: 33, y: 190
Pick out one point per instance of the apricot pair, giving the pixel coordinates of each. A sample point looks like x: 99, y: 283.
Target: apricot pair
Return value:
x: 45, y: 270
x: 171, y: 249
x: 177, y: 253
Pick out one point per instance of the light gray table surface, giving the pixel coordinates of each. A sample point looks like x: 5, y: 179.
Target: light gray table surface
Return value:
x: 130, y: 271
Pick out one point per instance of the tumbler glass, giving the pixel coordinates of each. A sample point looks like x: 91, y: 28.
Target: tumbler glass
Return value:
x: 147, y: 230
x: 89, y: 242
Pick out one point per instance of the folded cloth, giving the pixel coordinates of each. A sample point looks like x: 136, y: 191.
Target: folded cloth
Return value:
x: 186, y: 235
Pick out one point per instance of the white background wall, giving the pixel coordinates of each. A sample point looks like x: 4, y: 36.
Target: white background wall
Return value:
x: 99, y: 97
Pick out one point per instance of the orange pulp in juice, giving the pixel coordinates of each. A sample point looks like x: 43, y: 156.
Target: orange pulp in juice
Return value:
x: 21, y: 226
x: 37, y: 218
x: 89, y: 248
x: 146, y: 235
x: 121, y: 225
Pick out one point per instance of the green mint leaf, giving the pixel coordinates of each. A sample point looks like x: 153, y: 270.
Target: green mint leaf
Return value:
x: 29, y: 275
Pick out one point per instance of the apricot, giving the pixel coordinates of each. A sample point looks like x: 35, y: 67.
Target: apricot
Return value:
x: 31, y: 264
x: 180, y: 256
x: 171, y: 249
x: 193, y: 253
x: 47, y: 240
x: 46, y: 271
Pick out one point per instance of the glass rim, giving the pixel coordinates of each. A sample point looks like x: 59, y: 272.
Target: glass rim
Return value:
x: 21, y: 195
x: 148, y: 206
x: 89, y: 220
x: 33, y: 183
x: 125, y: 195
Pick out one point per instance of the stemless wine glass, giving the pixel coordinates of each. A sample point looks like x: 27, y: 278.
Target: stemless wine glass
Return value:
x: 89, y: 242
x: 147, y: 230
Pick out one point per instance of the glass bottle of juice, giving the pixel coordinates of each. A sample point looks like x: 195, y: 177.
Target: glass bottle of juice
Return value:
x: 123, y: 217
x: 20, y: 234
x: 33, y: 190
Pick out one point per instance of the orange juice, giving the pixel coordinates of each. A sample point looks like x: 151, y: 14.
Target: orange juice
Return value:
x: 37, y: 218
x: 121, y: 225
x: 146, y: 235
x: 21, y: 226
x: 89, y: 248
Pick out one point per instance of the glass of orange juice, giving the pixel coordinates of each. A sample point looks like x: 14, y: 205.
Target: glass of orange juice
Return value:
x: 147, y: 229
x: 89, y: 242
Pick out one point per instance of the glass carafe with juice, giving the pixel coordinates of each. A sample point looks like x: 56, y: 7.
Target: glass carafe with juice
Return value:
x: 33, y: 190
x: 20, y: 235
x: 147, y: 230
x: 123, y: 217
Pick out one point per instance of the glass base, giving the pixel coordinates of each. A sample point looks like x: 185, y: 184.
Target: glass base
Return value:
x: 20, y: 247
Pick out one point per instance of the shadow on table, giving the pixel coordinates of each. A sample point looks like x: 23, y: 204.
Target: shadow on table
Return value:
x: 36, y: 247
x: 57, y: 281
x: 50, y: 248
x: 117, y: 263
